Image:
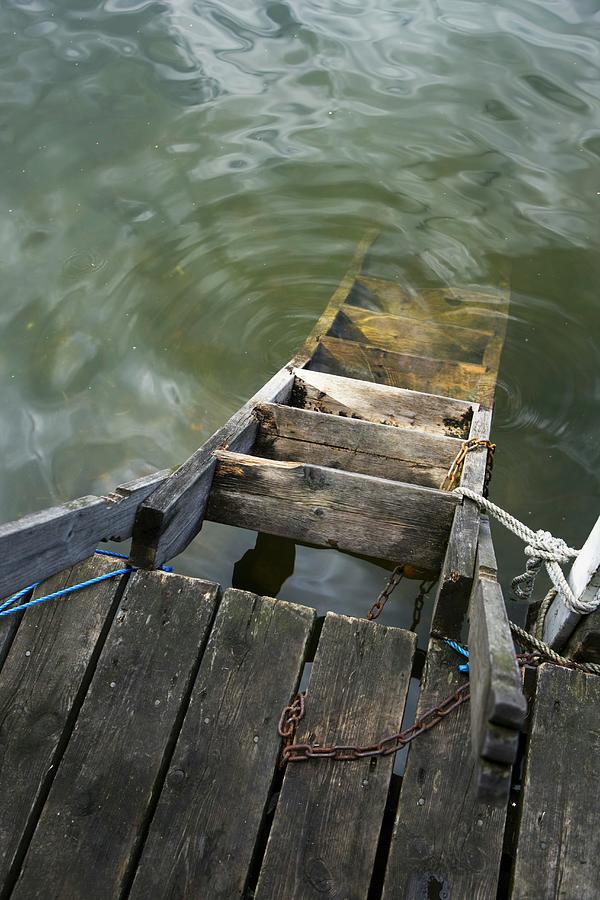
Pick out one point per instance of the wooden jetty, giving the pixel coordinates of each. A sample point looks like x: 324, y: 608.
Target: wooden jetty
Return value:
x: 139, y: 743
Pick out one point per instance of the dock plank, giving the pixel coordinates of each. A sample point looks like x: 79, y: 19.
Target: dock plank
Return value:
x: 463, y: 381
x: 42, y: 685
x: 381, y: 404
x: 342, y: 510
x: 288, y: 433
x: 93, y: 820
x: 446, y: 841
x: 209, y: 814
x: 558, y: 850
x: 324, y: 837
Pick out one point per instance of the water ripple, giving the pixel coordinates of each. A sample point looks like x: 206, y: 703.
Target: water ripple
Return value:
x: 184, y: 183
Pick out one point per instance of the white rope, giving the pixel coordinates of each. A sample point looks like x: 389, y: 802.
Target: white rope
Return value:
x: 541, y: 549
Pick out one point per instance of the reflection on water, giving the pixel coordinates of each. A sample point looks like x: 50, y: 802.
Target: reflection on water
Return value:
x: 183, y: 184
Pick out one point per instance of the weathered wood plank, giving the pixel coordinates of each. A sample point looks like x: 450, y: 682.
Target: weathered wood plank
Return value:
x: 44, y: 680
x: 496, y: 695
x: 340, y: 295
x: 40, y: 545
x: 381, y: 404
x: 343, y: 510
x: 558, y: 848
x: 209, y: 814
x: 447, y: 842
x: 403, y: 334
x: 172, y: 516
x: 8, y: 629
x: 464, y: 381
x: 324, y: 836
x: 584, y: 581
x: 353, y: 445
x: 93, y: 820
x: 458, y: 570
x: 464, y: 306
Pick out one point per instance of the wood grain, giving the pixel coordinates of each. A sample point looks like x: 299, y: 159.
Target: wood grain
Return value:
x: 205, y: 828
x: 446, y: 841
x: 93, y: 820
x: 496, y: 695
x: 353, y: 445
x: 463, y: 381
x: 44, y: 680
x: 324, y: 836
x: 381, y: 404
x: 558, y: 850
x: 343, y: 510
x: 40, y: 545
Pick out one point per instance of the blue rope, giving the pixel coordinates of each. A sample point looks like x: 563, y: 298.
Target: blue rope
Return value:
x: 4, y: 611
x: 463, y: 651
x: 61, y: 593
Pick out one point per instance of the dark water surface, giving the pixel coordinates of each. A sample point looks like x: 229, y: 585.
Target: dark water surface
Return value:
x: 182, y: 187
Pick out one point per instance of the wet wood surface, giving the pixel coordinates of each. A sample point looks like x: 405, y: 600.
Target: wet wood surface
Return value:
x: 446, y: 840
x: 101, y: 799
x: 326, y: 828
x: 461, y: 380
x: 42, y: 685
x: 210, y: 812
x: 558, y: 847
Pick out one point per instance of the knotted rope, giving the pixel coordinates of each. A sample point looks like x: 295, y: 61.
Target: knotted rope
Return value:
x: 541, y: 549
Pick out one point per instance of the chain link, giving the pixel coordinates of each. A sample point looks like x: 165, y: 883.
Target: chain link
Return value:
x: 299, y: 752
x: 424, y: 589
x: 455, y: 470
x: 292, y: 752
x: 392, y: 583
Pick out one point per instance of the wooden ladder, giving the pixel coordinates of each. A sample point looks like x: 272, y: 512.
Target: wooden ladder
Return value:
x: 348, y: 445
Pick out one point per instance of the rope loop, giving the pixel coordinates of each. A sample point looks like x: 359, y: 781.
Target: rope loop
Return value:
x: 541, y: 549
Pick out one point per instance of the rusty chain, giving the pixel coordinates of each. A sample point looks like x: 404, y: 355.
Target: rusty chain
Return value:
x: 454, y: 472
x: 292, y: 714
x: 424, y: 589
x: 292, y: 752
x: 392, y: 583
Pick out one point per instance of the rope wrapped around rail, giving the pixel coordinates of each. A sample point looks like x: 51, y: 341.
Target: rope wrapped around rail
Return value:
x: 542, y: 548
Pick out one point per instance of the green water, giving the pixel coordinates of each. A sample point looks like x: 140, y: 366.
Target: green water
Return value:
x: 182, y: 187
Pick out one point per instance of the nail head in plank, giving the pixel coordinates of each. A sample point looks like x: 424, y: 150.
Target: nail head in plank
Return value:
x: 446, y: 841
x: 172, y: 516
x: 44, y: 680
x: 324, y: 836
x: 342, y: 510
x: 464, y: 381
x: 94, y: 817
x: 381, y: 404
x: 558, y: 849
x: 209, y: 814
x: 40, y: 545
x: 399, y: 454
x: 584, y: 581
